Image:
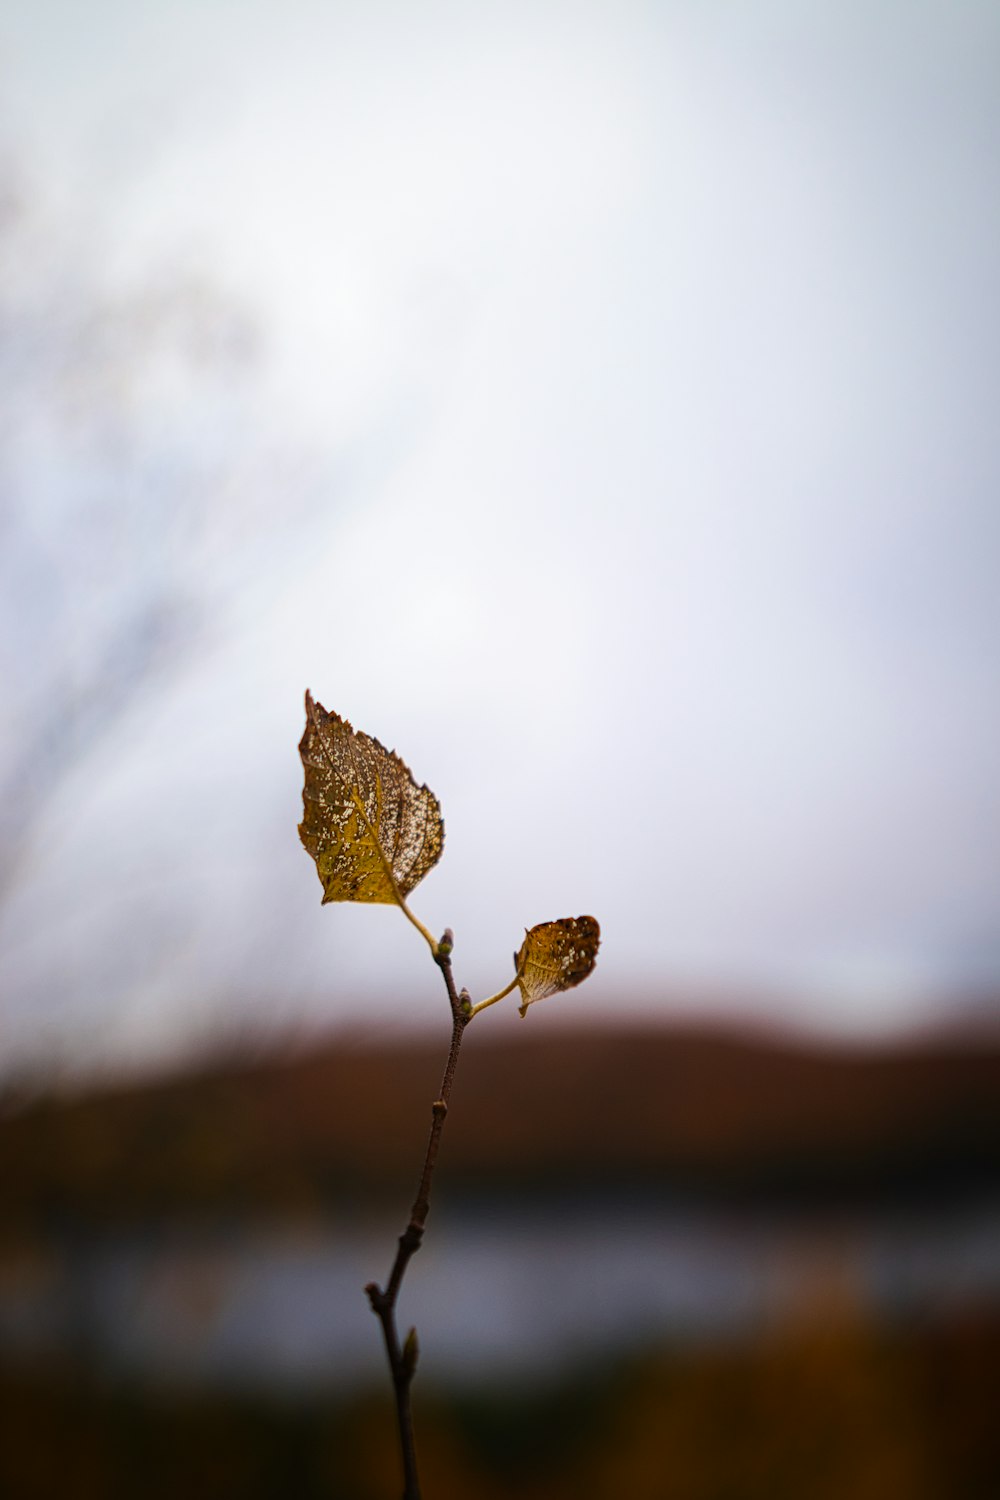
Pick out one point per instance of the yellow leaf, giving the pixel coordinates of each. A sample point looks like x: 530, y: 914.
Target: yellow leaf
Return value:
x: 555, y: 956
x: 373, y: 833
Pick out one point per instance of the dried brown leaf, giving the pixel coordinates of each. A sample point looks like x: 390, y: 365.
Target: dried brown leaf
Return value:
x: 556, y: 956
x: 373, y: 833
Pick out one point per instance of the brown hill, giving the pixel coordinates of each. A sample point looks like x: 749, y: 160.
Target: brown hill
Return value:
x: 678, y: 1110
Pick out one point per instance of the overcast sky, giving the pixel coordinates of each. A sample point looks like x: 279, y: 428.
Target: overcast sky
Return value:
x: 649, y: 356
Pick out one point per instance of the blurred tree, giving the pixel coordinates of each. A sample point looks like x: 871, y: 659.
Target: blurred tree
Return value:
x: 142, y: 491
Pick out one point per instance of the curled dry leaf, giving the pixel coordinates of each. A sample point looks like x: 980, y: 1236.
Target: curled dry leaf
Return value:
x: 556, y: 956
x: 373, y: 833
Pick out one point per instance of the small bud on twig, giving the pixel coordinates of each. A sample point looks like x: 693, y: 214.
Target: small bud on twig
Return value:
x: 446, y: 943
x: 411, y: 1353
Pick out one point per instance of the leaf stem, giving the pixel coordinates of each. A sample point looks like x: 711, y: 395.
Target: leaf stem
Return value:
x: 424, y: 931
x: 500, y: 995
x: 403, y: 1357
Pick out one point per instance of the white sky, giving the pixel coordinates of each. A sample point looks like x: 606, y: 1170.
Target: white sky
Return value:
x: 656, y: 349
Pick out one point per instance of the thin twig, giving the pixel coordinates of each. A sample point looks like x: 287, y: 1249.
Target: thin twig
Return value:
x: 403, y: 1358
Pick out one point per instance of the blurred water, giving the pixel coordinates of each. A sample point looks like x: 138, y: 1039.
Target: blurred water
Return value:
x: 494, y: 1296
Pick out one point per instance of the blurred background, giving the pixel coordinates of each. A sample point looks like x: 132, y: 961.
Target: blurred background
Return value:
x: 598, y: 404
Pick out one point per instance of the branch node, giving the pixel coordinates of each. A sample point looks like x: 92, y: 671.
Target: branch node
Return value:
x: 409, y: 1240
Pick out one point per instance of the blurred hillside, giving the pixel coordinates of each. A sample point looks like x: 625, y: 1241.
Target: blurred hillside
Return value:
x: 680, y: 1264
x: 681, y: 1110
